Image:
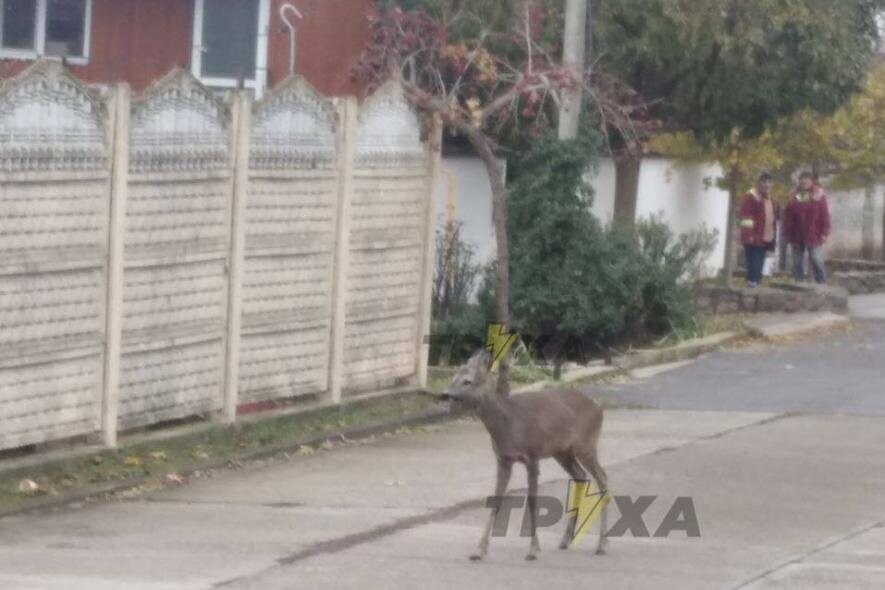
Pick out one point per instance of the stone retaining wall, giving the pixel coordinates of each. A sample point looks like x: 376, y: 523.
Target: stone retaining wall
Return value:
x: 785, y: 298
x: 858, y: 277
x: 861, y: 283
x: 852, y: 265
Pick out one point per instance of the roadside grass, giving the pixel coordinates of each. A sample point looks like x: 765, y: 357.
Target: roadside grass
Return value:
x: 190, y: 452
x: 703, y: 326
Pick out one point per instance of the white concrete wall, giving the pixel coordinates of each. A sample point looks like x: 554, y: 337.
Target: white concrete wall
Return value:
x: 684, y: 193
x: 602, y: 179
x: 473, y: 203
x: 854, y: 220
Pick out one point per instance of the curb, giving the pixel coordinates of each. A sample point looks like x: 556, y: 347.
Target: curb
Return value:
x: 315, y: 441
x: 777, y: 327
x: 690, y: 349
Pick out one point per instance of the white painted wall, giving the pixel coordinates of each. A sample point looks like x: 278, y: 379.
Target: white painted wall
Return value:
x: 473, y: 203
x: 684, y: 193
x: 851, y: 218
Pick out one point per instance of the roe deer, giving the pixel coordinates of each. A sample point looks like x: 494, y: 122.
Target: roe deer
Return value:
x: 525, y: 428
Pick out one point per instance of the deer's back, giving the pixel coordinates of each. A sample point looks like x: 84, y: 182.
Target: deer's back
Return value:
x: 557, y: 420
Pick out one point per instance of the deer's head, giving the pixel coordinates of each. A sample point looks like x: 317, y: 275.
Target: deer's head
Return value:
x: 470, y: 382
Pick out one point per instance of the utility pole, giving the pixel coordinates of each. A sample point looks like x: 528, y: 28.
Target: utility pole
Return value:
x: 575, y: 47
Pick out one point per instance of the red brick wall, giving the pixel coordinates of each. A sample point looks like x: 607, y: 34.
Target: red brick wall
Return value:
x: 329, y: 39
x: 132, y: 40
x: 139, y: 41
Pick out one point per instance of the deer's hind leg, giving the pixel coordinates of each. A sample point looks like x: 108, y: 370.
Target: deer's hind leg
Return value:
x: 591, y: 462
x: 570, y: 464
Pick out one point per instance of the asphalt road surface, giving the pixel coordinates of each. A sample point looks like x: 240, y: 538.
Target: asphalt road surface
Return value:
x: 779, y: 448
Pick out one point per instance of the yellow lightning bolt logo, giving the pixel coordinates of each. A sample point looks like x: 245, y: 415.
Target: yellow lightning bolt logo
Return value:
x: 498, y: 342
x: 586, y: 502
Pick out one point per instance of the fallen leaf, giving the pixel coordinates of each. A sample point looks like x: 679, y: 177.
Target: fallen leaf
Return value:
x: 175, y: 478
x: 132, y: 461
x: 28, y: 486
x: 158, y: 456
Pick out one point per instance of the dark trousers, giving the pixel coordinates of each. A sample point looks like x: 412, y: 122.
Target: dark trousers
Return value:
x: 755, y: 262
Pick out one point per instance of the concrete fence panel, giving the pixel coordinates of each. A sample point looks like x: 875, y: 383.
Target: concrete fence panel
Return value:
x: 387, y: 239
x: 54, y: 195
x: 290, y: 244
x: 176, y: 247
x: 175, y: 255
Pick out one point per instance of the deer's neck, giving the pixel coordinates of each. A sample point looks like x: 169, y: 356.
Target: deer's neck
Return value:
x: 497, y: 416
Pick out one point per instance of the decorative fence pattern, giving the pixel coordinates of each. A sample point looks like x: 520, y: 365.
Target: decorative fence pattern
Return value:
x: 387, y: 245
x: 177, y: 255
x: 54, y: 174
x: 176, y: 249
x: 290, y: 245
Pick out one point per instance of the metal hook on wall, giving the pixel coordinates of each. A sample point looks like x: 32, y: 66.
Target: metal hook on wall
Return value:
x: 284, y: 9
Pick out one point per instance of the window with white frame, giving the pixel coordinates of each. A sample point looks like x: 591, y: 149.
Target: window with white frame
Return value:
x: 30, y: 28
x: 230, y: 43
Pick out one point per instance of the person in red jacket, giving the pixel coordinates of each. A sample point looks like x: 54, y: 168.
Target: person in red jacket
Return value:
x: 758, y: 220
x: 807, y: 226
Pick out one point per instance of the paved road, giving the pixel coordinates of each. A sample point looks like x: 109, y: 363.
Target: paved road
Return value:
x: 835, y: 373
x: 784, y: 499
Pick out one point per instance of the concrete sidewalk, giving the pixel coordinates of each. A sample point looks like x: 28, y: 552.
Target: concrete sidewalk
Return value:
x: 775, y: 496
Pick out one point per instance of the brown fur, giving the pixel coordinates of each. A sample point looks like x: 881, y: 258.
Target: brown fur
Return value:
x: 525, y: 428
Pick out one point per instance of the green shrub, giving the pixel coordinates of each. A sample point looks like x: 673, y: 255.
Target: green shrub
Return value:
x: 569, y: 286
x: 576, y: 288
x: 458, y: 324
x: 585, y: 287
x: 669, y: 265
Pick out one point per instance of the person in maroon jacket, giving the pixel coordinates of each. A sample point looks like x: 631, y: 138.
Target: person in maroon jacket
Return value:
x: 807, y: 226
x: 758, y: 220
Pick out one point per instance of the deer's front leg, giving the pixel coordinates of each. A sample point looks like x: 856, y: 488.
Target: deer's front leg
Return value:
x: 505, y: 468
x: 532, y: 470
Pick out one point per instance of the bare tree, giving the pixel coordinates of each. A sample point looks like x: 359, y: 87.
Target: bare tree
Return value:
x: 484, y: 81
x: 574, y: 52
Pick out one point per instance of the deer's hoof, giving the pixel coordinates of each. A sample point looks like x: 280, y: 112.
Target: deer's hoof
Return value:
x: 563, y: 545
x: 476, y: 557
x: 531, y: 557
x: 600, y: 551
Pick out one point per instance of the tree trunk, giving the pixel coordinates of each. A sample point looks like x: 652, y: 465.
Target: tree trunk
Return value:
x: 574, y: 48
x: 627, y: 170
x: 868, y: 240
x: 728, y: 269
x: 484, y: 150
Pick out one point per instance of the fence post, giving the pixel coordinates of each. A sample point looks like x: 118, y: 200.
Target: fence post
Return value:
x: 422, y: 346
x: 345, y: 142
x: 119, y: 120
x: 241, y: 124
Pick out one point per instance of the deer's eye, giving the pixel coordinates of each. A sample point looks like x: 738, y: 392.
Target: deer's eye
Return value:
x: 467, y: 382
